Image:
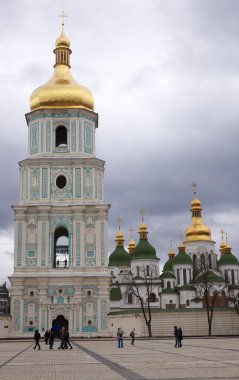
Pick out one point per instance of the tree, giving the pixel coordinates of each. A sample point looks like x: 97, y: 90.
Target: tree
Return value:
x: 234, y: 297
x: 211, y: 287
x: 143, y: 287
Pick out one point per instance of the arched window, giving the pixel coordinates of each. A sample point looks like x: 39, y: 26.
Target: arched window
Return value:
x: 61, y: 248
x: 168, y: 284
x: 210, y: 261
x: 187, y: 303
x: 226, y: 275
x: 178, y: 277
x: 233, y: 276
x: 130, y: 298
x: 61, y: 136
x: 202, y: 261
x: 184, y: 276
x: 194, y: 262
x: 152, y: 297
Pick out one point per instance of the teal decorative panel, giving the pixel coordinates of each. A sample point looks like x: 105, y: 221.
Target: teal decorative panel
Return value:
x: 89, y: 329
x: 67, y: 290
x: 88, y: 186
x: 103, y: 314
x: 48, y: 136
x: 42, y: 136
x: 102, y: 243
x: 27, y: 183
x: 77, y: 183
x: 60, y: 300
x: 88, y: 141
x: 16, y: 315
x: 34, y: 183
x: 34, y: 138
x: 78, y: 236
x: 25, y: 313
x: 80, y: 137
x: 44, y: 183
x: 100, y: 187
x: 95, y: 171
x: 66, y: 192
x: 77, y: 321
x: 73, y: 135
x: 19, y: 245
x: 43, y: 250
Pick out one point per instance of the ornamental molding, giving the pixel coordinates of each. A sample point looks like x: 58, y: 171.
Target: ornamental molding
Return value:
x: 61, y: 221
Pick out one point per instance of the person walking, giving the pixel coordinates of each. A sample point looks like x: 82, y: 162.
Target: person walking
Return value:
x: 62, y: 334
x: 51, y: 339
x: 120, y: 334
x: 132, y: 335
x: 180, y: 337
x: 37, y: 337
x: 67, y: 342
x: 46, y: 336
x: 176, y: 335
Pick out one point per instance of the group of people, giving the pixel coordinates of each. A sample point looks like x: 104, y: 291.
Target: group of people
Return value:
x: 49, y: 339
x: 178, y: 336
x: 120, y: 335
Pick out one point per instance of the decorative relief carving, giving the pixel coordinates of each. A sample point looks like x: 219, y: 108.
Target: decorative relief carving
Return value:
x: 102, y: 244
x: 44, y: 183
x: 67, y: 290
x: 34, y: 183
x: 61, y: 220
x: 16, y: 315
x: 88, y: 141
x: 19, y: 244
x: 78, y: 183
x: 66, y: 192
x: 73, y: 135
x: 103, y: 314
x: 34, y: 138
x: 88, y: 183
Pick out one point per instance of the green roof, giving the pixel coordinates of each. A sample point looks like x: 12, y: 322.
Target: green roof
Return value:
x: 119, y: 258
x: 228, y: 259
x: 167, y: 275
x: 168, y: 266
x: 115, y: 294
x: 209, y: 277
x: 186, y: 287
x: 144, y: 250
x: 169, y: 291
x: 182, y: 258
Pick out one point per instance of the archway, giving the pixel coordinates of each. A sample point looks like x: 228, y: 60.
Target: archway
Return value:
x: 61, y: 248
x: 58, y: 323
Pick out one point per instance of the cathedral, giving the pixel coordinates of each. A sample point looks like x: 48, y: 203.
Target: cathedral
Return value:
x: 62, y: 275
x: 177, y: 286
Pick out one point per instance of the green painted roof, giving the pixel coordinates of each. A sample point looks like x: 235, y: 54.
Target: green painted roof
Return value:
x: 115, y: 294
x: 119, y: 258
x: 182, y: 258
x: 167, y: 275
x: 168, y: 266
x: 144, y: 250
x: 209, y: 277
x: 169, y: 291
x: 228, y: 259
x: 186, y: 287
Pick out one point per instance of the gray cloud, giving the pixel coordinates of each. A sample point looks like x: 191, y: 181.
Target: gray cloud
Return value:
x: 165, y: 81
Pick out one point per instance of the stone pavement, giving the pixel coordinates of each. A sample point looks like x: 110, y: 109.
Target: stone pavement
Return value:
x: 198, y: 359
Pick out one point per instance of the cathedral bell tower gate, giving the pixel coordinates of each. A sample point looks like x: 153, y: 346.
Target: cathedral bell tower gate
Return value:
x: 60, y: 254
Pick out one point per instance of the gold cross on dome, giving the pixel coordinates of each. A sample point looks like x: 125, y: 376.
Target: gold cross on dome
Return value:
x: 119, y: 220
x: 194, y: 185
x: 181, y: 236
x: 222, y: 232
x: 131, y: 231
x: 226, y: 238
x: 62, y: 18
x: 142, y: 214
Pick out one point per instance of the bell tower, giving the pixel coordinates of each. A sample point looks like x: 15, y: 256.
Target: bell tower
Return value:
x: 60, y: 253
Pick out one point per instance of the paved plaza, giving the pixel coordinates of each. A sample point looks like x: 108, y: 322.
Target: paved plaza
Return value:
x: 214, y: 358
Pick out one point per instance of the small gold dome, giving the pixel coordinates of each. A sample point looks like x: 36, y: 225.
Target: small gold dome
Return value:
x: 142, y: 227
x: 62, y: 40
x: 62, y: 90
x: 131, y: 246
x: 119, y: 235
x: 197, y: 231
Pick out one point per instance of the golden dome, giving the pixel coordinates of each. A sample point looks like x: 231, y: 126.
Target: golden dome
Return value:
x: 197, y: 230
x: 131, y: 246
x: 119, y: 238
x: 62, y: 90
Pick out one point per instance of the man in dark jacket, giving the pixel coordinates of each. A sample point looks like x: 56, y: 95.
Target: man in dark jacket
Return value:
x: 37, y: 337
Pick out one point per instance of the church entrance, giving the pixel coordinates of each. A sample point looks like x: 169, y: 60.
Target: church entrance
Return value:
x: 58, y: 323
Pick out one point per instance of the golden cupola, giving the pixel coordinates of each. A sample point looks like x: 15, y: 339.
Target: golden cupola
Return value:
x: 197, y: 231
x: 131, y: 245
x: 62, y: 90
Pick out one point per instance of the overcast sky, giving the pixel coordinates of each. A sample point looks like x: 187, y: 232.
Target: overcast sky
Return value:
x: 165, y: 80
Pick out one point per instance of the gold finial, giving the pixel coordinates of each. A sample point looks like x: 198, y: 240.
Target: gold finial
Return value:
x: 62, y: 18
x: 142, y: 214
x: 181, y: 237
x: 119, y: 220
x: 222, y: 232
x: 226, y: 239
x: 131, y: 232
x: 194, y: 185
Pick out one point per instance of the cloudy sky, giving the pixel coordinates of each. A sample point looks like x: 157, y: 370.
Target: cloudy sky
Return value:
x: 165, y: 79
